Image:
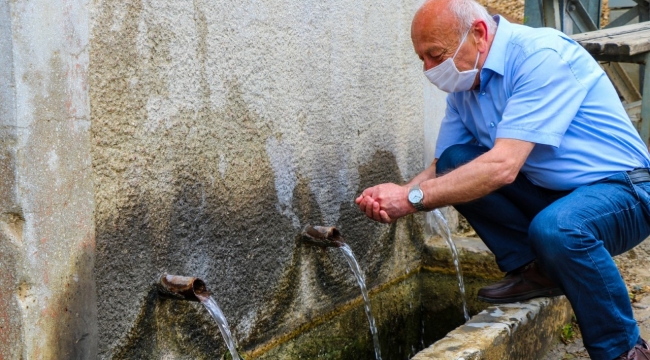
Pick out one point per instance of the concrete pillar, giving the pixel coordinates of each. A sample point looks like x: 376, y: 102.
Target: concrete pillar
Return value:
x: 47, y: 239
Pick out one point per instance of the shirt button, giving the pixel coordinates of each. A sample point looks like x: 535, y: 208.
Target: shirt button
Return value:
x: 482, y: 92
x: 492, y: 124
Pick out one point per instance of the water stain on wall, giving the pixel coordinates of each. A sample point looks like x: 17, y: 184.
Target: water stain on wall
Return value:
x: 163, y: 203
x: 10, y: 324
x: 56, y: 259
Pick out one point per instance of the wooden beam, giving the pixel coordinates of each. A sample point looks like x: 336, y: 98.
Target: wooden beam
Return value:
x: 634, y: 59
x: 625, y: 18
x: 645, y: 107
x: 622, y: 82
x: 623, y: 41
x: 580, y: 16
x: 610, y: 32
x: 552, y: 16
x: 533, y: 14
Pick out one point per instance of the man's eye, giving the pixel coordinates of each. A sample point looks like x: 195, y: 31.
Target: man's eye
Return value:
x: 438, y: 55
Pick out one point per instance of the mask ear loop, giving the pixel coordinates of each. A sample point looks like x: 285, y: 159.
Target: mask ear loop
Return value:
x: 478, y: 54
x: 461, y: 44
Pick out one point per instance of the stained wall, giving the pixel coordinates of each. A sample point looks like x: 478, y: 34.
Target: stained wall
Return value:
x: 198, y: 138
x: 47, y: 238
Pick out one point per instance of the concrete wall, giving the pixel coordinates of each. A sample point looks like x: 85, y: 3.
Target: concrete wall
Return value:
x: 219, y: 129
x: 47, y: 243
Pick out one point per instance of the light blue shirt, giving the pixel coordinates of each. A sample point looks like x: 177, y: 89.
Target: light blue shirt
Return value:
x: 539, y: 85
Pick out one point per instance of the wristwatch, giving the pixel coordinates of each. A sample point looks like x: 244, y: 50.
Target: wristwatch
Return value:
x: 416, y: 196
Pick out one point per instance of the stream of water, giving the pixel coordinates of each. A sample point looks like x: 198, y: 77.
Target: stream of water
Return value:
x: 438, y: 221
x: 214, y: 310
x: 354, y: 265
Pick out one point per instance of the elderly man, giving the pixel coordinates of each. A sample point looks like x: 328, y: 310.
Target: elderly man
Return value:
x: 537, y: 152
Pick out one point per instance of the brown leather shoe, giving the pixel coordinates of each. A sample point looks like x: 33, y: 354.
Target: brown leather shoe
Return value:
x: 638, y: 352
x: 522, y: 284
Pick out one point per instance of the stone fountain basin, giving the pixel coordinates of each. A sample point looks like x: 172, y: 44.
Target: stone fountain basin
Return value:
x: 419, y: 316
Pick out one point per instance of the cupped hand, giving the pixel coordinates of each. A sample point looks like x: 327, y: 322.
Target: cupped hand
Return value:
x: 385, y: 202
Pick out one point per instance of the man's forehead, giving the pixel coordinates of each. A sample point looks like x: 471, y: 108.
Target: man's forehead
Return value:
x: 433, y: 25
x: 435, y: 36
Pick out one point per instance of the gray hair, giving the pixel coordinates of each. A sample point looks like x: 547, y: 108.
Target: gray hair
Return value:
x: 466, y: 11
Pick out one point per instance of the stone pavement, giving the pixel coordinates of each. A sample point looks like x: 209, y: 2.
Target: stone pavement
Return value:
x: 635, y: 269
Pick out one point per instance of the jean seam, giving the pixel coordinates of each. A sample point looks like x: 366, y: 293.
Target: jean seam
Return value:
x: 580, y: 229
x: 631, y: 186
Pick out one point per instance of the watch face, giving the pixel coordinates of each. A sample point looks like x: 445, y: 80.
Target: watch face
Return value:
x: 415, y: 196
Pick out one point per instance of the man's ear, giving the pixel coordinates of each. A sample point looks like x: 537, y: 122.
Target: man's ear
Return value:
x: 480, y: 33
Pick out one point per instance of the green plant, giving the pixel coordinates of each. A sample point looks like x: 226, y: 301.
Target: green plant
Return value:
x: 228, y: 356
x: 567, y: 335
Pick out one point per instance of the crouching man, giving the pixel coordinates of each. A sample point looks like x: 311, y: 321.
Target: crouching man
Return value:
x: 537, y: 152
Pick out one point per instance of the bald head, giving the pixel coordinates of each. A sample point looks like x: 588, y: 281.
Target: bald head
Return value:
x: 457, y: 15
x: 434, y: 13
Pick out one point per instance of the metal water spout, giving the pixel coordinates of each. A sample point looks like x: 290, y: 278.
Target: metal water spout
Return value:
x: 183, y: 288
x: 325, y: 237
x: 322, y: 236
x: 194, y: 289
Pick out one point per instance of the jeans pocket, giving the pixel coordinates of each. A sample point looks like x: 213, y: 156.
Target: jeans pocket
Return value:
x: 642, y: 192
x: 639, y: 190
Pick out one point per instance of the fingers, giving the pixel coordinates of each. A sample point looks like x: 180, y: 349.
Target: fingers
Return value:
x: 375, y: 211
x: 368, y: 192
x: 368, y: 205
x: 361, y: 201
x: 384, y: 217
x: 365, y: 203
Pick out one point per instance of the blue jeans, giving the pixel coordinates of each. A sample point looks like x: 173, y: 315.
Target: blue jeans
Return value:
x: 573, y: 236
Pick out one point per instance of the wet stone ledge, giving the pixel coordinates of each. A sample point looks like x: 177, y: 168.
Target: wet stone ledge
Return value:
x: 500, y: 332
x: 504, y: 332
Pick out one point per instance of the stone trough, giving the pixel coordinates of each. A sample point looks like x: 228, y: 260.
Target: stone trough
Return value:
x: 419, y: 317
x: 523, y: 330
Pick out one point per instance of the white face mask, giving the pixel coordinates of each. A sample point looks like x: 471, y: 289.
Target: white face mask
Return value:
x: 447, y: 77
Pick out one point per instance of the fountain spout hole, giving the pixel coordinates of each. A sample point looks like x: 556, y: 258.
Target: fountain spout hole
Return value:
x: 322, y: 236
x: 183, y: 288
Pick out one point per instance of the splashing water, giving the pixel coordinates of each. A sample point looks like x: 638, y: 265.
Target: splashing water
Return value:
x: 214, y: 310
x: 438, y: 221
x: 354, y: 265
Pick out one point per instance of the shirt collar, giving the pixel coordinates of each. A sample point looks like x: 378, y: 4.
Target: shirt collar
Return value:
x: 496, y: 59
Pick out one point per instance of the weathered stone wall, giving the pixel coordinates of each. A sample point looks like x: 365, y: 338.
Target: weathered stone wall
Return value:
x: 47, y: 243
x: 10, y: 320
x: 220, y: 129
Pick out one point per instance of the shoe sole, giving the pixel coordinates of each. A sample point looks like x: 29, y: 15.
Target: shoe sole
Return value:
x: 523, y: 297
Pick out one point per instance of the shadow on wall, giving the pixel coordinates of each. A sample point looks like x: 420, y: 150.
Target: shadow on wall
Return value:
x: 224, y: 228
x: 195, y: 238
